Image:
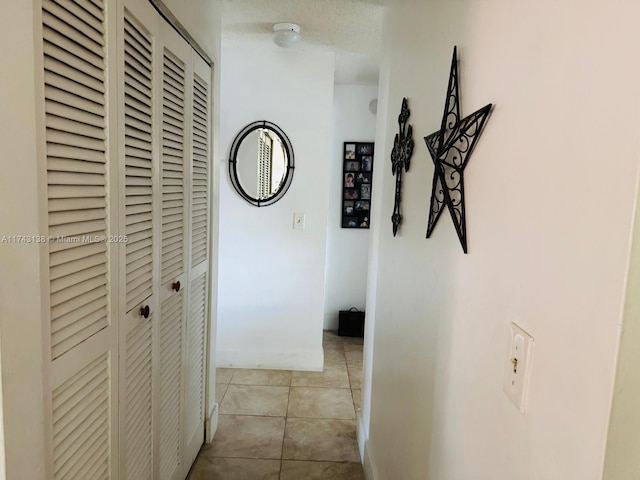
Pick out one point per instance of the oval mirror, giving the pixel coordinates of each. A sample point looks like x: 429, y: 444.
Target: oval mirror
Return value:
x: 261, y: 163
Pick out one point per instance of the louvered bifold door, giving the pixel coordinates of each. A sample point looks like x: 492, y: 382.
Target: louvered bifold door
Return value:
x: 199, y: 230
x: 81, y: 370
x: 174, y: 288
x: 137, y: 308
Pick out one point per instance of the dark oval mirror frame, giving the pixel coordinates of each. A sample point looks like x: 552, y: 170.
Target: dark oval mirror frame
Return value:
x: 233, y: 160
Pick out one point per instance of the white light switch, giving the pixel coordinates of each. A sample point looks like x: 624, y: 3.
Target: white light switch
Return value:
x: 518, y: 365
x: 298, y: 221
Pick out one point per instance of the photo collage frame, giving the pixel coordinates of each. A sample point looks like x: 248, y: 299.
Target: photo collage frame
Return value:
x: 357, y: 178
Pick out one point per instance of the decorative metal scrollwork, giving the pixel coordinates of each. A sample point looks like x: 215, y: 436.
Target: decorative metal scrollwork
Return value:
x: 450, y: 150
x: 401, y: 159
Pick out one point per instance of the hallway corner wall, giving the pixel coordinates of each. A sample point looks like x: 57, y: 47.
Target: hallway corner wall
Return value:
x: 347, y: 249
x: 271, y: 277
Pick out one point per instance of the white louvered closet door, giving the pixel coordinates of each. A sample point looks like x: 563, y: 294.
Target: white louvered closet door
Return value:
x: 174, y: 70
x: 199, y: 230
x: 138, y: 310
x: 81, y: 394
x: 127, y: 130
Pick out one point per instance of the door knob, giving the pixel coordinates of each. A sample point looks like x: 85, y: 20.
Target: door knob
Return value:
x: 144, y: 311
x: 176, y: 286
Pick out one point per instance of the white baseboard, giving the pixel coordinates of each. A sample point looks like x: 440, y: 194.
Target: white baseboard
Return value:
x: 362, y: 435
x: 330, y: 321
x: 366, y: 452
x: 307, y: 360
x: 367, y: 463
x: 211, y: 424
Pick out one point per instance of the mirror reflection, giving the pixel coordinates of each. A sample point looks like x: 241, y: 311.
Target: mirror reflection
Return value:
x: 261, y: 163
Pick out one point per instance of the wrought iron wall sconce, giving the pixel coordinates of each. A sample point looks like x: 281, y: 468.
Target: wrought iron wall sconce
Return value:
x: 450, y: 150
x: 401, y: 159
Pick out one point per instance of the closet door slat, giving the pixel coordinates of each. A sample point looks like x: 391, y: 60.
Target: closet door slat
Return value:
x: 171, y: 384
x: 138, y: 410
x: 199, y: 172
x: 75, y: 120
x: 173, y: 175
x: 81, y: 431
x: 138, y: 143
x: 195, y: 347
x: 137, y: 177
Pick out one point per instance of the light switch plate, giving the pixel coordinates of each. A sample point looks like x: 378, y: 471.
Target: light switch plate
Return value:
x: 518, y: 366
x: 298, y: 221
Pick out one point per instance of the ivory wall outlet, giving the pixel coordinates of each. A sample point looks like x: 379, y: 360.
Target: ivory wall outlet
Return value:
x: 298, y: 221
x: 518, y: 366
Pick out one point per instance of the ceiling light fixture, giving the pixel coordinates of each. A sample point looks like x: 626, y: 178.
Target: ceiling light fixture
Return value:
x: 286, y: 35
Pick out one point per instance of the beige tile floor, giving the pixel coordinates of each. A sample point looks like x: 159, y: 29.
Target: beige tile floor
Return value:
x: 282, y: 425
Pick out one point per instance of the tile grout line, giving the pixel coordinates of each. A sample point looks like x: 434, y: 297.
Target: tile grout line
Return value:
x: 318, y: 461
x: 222, y: 399
x: 284, y: 432
x: 280, y: 416
x: 289, y: 460
x: 353, y: 400
x: 225, y: 390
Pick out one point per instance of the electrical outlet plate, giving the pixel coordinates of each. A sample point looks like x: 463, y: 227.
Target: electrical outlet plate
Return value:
x: 298, y: 221
x: 518, y: 366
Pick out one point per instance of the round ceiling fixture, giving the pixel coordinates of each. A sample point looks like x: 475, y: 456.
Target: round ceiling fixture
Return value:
x: 286, y: 35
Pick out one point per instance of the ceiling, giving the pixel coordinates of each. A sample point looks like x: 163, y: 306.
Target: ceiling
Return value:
x: 350, y: 28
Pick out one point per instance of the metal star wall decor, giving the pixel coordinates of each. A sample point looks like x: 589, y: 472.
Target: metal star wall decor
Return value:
x: 450, y: 150
x: 401, y: 159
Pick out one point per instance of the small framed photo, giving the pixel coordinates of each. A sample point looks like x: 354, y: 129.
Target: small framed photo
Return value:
x: 349, y: 180
x: 352, y: 166
x: 365, y: 192
x: 362, y: 177
x: 362, y: 205
x: 348, y: 207
x: 365, y: 148
x: 357, y: 179
x: 351, y: 194
x: 350, y: 151
x: 350, y: 222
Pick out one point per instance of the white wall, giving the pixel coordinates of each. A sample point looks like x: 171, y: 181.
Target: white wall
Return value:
x: 347, y: 249
x: 271, y: 277
x: 550, y: 196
